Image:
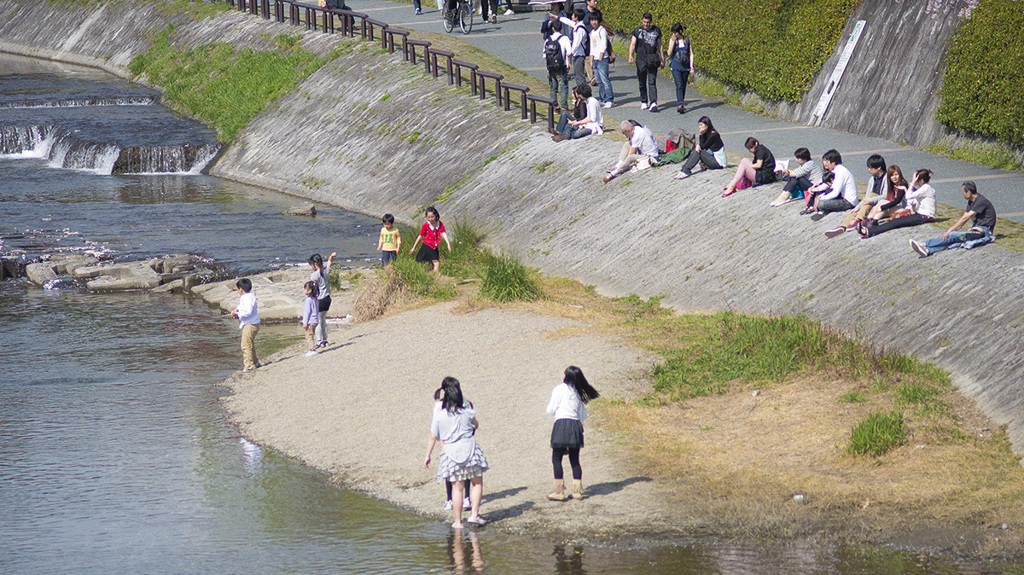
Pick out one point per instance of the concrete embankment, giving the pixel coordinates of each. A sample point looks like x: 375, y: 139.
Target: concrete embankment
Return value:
x: 644, y: 233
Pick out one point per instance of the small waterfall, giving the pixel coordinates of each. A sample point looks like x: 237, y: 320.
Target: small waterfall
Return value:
x: 64, y: 148
x: 30, y: 141
x: 187, y: 158
x: 81, y: 102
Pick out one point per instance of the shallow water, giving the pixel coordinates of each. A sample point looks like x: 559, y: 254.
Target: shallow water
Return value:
x: 115, y: 454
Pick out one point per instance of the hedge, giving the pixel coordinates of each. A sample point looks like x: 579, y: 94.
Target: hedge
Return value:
x: 983, y: 89
x: 772, y: 47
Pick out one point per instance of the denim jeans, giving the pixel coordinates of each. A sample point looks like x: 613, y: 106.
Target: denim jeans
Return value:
x: 559, y: 83
x: 958, y: 240
x: 680, y: 77
x: 562, y: 126
x: 604, y: 84
x: 796, y: 186
x: 693, y: 159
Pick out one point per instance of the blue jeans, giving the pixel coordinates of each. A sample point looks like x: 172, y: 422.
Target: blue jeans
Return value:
x: 559, y: 83
x: 680, y: 77
x: 959, y: 240
x: 387, y: 257
x: 837, y: 205
x: 604, y: 84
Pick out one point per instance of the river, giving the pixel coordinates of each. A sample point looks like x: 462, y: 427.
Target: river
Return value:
x: 115, y: 452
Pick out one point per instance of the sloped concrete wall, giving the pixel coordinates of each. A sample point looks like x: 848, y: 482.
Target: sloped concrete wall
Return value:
x: 890, y: 88
x: 372, y: 134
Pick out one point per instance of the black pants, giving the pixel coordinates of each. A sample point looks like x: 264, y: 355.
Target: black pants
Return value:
x: 574, y: 461
x: 647, y: 76
x: 904, y: 222
x: 448, y: 489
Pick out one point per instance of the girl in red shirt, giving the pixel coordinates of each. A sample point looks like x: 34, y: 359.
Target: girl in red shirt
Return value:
x: 431, y: 234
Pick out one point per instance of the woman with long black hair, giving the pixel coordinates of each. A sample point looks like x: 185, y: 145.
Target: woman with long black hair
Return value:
x: 567, y: 405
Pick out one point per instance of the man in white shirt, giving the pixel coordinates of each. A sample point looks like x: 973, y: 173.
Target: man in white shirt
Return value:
x: 843, y: 195
x: 641, y: 144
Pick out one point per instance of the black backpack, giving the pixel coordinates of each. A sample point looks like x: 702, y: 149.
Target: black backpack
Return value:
x: 553, y: 55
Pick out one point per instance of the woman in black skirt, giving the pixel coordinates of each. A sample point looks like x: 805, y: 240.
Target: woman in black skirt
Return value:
x: 567, y: 407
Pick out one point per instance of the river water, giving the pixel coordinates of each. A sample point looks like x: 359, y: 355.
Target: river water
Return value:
x: 115, y: 453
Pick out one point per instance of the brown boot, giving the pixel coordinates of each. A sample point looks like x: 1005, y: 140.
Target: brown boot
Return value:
x: 558, y: 491
x: 577, y: 489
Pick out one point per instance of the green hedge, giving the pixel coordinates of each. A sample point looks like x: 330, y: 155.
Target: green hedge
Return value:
x: 983, y: 90
x: 772, y: 47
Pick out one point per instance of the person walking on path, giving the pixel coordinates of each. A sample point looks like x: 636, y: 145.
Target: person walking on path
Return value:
x: 981, y: 233
x: 390, y: 241
x: 646, y: 51
x: 321, y: 276
x: 248, y: 322
x: 557, y: 59
x: 567, y: 405
x: 455, y: 425
x: 430, y: 234
x: 680, y: 56
x: 310, y: 316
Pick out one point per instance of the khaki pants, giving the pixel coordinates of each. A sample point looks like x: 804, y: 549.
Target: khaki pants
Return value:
x: 590, y: 71
x: 860, y: 213
x: 249, y: 332
x: 310, y: 336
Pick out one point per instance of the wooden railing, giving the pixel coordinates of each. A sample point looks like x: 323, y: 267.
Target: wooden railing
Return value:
x: 351, y: 23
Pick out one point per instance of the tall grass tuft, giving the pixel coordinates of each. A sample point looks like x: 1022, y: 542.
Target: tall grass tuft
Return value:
x: 506, y: 279
x: 877, y: 434
x: 378, y: 293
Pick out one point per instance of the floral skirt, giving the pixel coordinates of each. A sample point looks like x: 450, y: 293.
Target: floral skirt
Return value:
x: 472, y: 467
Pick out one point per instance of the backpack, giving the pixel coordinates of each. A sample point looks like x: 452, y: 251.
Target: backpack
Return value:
x: 553, y: 55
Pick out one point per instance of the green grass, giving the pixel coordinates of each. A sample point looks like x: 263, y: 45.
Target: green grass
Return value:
x: 877, y: 434
x: 853, y: 397
x: 506, y: 279
x: 996, y: 155
x: 222, y: 86
x: 705, y: 355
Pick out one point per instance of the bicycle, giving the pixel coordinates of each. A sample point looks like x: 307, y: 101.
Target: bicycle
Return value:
x: 463, y: 10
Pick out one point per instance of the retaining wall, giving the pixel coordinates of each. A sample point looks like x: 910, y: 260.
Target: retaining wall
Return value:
x: 890, y: 87
x: 338, y: 139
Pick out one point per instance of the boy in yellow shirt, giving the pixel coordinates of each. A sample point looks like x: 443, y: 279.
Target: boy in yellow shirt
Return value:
x: 390, y: 241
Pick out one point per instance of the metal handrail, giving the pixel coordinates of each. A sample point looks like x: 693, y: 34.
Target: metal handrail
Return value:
x: 315, y: 18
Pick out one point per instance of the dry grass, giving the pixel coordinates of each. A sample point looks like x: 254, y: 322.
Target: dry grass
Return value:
x: 734, y: 463
x: 379, y: 293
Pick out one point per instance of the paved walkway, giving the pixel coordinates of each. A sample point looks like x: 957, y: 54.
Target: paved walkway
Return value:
x: 517, y: 41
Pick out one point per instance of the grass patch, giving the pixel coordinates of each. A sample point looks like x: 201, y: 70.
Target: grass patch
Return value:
x: 853, y: 397
x: 993, y: 154
x: 507, y: 280
x: 224, y: 87
x: 504, y: 278
x: 877, y: 434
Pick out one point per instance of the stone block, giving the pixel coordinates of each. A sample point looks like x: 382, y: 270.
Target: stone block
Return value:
x: 40, y: 273
x: 131, y: 276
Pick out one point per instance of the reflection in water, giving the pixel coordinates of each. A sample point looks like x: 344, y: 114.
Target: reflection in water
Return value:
x: 571, y: 564
x: 457, y: 546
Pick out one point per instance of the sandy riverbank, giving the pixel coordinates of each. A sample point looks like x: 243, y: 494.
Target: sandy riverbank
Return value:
x: 361, y: 412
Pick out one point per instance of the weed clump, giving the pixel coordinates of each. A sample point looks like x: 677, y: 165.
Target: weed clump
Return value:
x: 506, y: 279
x: 877, y: 434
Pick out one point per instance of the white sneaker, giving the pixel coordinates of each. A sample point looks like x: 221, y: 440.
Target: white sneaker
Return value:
x: 643, y: 106
x: 606, y: 105
x: 310, y: 353
x: 510, y: 12
x: 654, y: 106
x: 448, y: 505
x: 466, y: 503
x: 920, y: 249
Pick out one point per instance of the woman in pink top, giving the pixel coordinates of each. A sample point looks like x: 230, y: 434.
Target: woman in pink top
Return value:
x: 431, y: 234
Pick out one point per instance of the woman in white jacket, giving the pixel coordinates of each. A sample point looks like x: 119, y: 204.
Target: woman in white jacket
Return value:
x: 567, y: 406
